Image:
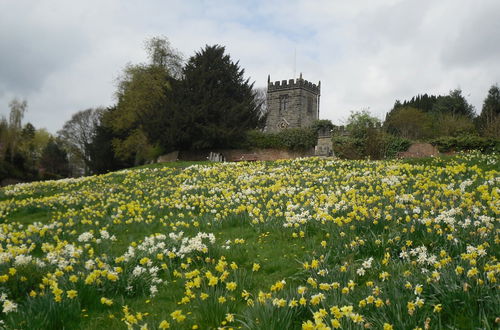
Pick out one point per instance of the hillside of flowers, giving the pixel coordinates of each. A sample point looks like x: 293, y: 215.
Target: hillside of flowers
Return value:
x: 297, y: 244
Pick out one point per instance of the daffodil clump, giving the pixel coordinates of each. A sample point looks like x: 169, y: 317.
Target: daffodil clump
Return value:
x: 295, y: 244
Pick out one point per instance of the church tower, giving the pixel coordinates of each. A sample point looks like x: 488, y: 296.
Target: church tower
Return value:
x: 291, y: 104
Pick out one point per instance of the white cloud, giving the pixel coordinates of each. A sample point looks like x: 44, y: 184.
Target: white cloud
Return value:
x: 65, y: 56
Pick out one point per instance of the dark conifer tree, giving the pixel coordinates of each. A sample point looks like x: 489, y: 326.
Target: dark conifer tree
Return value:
x: 217, y: 103
x: 489, y: 119
x: 54, y: 161
x: 101, y: 153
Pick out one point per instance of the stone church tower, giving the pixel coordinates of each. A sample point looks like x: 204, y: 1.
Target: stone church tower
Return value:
x: 291, y: 104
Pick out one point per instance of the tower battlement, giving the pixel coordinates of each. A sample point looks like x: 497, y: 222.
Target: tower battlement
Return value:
x: 293, y: 83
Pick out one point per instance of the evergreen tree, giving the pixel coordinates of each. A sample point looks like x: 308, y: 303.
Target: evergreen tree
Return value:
x: 216, y: 104
x: 409, y: 123
x: 489, y: 119
x: 54, y: 162
x: 454, y: 104
x: 101, y: 153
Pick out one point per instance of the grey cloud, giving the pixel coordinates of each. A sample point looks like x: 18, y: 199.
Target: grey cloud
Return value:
x: 32, y: 49
x: 478, y: 40
x: 394, y: 24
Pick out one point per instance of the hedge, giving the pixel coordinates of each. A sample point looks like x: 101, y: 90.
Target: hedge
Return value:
x: 465, y: 143
x: 290, y: 139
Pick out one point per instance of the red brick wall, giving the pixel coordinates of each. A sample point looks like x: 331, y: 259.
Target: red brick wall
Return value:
x: 238, y: 154
x: 419, y: 150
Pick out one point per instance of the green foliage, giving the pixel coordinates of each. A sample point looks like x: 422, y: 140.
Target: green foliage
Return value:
x: 454, y: 104
x: 348, y: 147
x: 366, y: 139
x: 360, y: 122
x: 298, y: 138
x: 8, y: 170
x: 23, y: 144
x: 376, y: 145
x: 290, y: 139
x: 143, y: 115
x: 17, y: 110
x: 322, y: 125
x: 466, y: 142
x: 395, y: 144
x: 489, y: 119
x: 446, y: 124
x: 425, y: 116
x: 422, y: 102
x: 216, y: 104
x: 54, y: 161
x: 102, y: 157
x: 409, y: 123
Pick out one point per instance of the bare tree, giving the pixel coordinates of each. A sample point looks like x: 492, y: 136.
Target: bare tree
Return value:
x: 4, y: 137
x: 77, y: 134
x: 17, y: 110
x: 261, y: 100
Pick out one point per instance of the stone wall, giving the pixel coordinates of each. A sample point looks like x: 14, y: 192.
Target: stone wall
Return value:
x: 233, y: 155
x: 170, y: 157
x: 324, y: 146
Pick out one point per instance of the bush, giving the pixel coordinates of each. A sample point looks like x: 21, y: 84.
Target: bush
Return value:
x: 348, y: 147
x: 376, y: 145
x: 467, y: 142
x: 395, y: 144
x: 289, y: 139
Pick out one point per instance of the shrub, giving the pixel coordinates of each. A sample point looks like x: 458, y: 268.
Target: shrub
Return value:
x: 348, y: 147
x: 466, y: 142
x: 376, y: 145
x: 290, y: 139
x: 395, y: 144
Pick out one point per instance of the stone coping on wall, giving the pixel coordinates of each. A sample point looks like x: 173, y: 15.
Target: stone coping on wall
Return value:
x: 234, y: 155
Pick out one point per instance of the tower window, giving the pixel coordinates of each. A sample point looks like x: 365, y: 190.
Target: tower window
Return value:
x: 309, y: 105
x: 283, y: 103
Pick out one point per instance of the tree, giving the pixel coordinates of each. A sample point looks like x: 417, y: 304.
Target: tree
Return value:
x: 489, y: 119
x: 447, y: 124
x: 54, y: 162
x: 142, y: 108
x: 163, y: 55
x: 455, y: 104
x: 31, y: 145
x: 408, y: 122
x: 322, y: 126
x: 261, y: 100
x: 77, y: 134
x: 101, y: 153
x: 4, y: 137
x: 217, y: 102
x: 359, y: 122
x: 17, y: 110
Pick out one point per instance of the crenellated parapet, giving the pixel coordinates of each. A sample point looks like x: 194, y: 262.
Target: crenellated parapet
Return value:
x: 292, y: 84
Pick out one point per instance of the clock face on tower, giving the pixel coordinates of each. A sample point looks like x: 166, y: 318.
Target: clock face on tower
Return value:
x: 283, y: 123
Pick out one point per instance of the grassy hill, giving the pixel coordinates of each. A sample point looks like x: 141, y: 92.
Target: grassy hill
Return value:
x: 306, y: 243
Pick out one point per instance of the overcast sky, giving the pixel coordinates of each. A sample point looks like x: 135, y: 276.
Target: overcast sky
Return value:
x: 64, y: 56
